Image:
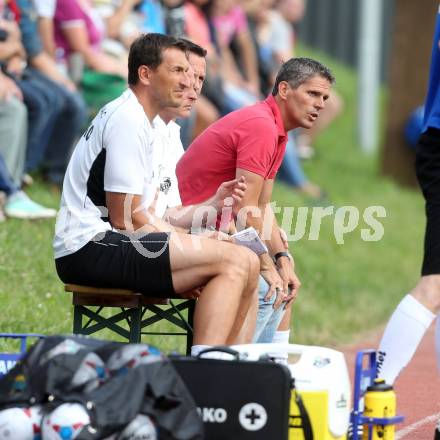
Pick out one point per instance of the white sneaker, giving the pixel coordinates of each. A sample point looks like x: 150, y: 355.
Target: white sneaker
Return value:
x: 19, y: 205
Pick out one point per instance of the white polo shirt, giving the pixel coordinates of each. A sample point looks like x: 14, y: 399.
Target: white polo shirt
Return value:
x: 168, y: 150
x: 115, y: 154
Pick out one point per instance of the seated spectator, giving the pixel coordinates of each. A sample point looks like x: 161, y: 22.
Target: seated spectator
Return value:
x: 12, y: 125
x: 110, y: 186
x: 150, y: 16
x: 17, y: 203
x: 293, y: 11
x: 60, y: 98
x: 121, y: 20
x: 273, y: 42
x: 79, y: 30
x: 181, y: 19
x: 230, y: 23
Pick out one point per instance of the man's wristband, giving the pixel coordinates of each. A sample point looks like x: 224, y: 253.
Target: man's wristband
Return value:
x: 278, y: 255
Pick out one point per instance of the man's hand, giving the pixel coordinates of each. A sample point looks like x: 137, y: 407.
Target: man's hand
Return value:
x: 275, y: 282
x: 291, y: 283
x: 213, y: 234
x: 191, y: 294
x: 15, y: 66
x: 233, y: 188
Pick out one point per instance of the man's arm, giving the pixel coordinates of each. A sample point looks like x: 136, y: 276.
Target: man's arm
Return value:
x: 46, y: 29
x: 115, y: 21
x: 46, y: 65
x: 126, y: 213
x: 250, y: 212
x: 259, y: 194
x: 183, y: 216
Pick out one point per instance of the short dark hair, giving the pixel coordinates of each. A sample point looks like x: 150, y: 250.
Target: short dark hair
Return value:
x: 297, y: 71
x: 194, y: 48
x: 147, y: 50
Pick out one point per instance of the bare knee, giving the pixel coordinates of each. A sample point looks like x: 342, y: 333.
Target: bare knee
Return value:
x: 427, y: 292
x: 235, y: 263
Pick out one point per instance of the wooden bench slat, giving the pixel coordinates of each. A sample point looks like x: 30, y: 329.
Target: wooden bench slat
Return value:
x: 76, y: 288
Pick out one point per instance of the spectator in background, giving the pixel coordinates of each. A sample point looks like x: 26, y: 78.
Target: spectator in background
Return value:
x: 150, y: 16
x: 293, y: 11
x: 273, y: 39
x: 79, y: 29
x: 60, y: 96
x: 230, y: 22
x: 13, y: 113
x: 188, y: 19
x: 120, y: 19
x: 12, y: 135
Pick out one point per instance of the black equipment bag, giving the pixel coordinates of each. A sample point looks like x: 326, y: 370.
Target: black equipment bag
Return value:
x: 238, y: 400
x: 147, y: 385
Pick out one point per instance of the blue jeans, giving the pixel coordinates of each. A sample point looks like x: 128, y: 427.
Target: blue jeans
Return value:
x: 291, y: 171
x: 268, y: 319
x: 56, y: 116
x: 6, y: 183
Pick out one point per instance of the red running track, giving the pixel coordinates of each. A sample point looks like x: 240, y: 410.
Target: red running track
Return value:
x: 417, y: 389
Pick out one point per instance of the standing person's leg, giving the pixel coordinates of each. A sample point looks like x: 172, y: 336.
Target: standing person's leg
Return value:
x: 417, y: 310
x: 13, y: 137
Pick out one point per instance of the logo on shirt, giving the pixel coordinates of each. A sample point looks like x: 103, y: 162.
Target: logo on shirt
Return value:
x: 165, y: 185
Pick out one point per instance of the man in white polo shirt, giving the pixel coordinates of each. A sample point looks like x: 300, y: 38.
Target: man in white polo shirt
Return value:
x: 106, y: 234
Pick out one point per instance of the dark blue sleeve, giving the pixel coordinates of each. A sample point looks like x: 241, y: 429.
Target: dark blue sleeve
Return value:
x: 29, y: 28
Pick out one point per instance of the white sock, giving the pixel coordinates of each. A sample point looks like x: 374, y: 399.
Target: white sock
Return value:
x: 196, y: 349
x: 281, y: 337
x: 402, y: 335
x: 437, y: 340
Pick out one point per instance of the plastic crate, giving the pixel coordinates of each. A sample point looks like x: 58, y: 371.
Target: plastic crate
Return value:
x: 8, y: 360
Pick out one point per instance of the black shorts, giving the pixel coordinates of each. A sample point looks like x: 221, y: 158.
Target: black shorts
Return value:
x: 428, y: 175
x: 141, y: 264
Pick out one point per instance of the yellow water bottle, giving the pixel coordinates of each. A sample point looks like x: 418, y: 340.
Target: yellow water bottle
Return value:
x: 379, y: 401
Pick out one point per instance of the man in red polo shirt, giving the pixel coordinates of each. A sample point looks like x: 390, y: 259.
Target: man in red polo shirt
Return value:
x: 251, y: 142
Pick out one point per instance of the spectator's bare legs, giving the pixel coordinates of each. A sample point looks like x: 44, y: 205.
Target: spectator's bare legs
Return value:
x: 229, y: 274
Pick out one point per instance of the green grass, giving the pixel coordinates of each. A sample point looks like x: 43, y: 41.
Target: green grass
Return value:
x: 348, y: 288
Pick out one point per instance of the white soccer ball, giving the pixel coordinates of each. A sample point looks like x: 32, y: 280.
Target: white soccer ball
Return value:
x: 65, y: 422
x: 132, y: 355
x: 91, y: 373
x: 140, y: 428
x: 21, y: 423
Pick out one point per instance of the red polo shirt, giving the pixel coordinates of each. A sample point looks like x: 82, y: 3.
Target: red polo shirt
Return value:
x: 252, y: 138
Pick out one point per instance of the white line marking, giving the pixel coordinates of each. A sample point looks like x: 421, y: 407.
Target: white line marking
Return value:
x: 405, y: 431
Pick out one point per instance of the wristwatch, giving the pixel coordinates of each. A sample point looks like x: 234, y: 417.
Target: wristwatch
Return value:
x: 282, y: 254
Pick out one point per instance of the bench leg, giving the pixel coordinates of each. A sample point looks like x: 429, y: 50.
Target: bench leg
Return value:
x: 190, y: 333
x: 77, y: 320
x: 135, y: 317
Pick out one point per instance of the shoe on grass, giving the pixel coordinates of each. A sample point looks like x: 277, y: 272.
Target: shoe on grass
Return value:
x: 19, y: 205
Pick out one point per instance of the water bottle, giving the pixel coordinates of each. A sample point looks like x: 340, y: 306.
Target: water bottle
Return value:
x: 379, y: 401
